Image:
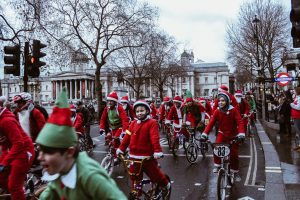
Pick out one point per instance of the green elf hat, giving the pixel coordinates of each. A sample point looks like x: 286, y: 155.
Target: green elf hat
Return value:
x: 58, y: 132
x: 188, y: 96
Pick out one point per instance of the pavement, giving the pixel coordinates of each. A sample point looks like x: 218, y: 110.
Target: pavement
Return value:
x: 282, y: 169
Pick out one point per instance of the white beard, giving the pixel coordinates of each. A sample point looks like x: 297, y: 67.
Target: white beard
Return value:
x: 24, y: 121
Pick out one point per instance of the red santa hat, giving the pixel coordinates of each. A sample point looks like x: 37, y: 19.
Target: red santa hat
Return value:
x: 141, y: 102
x: 72, y: 108
x: 238, y: 93
x: 202, y: 100
x: 124, y: 99
x: 113, y: 96
x: 223, y: 88
x: 167, y: 99
x: 177, y: 99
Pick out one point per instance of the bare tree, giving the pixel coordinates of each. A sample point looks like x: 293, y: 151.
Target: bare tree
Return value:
x: 163, y: 65
x: 95, y: 27
x: 259, y: 44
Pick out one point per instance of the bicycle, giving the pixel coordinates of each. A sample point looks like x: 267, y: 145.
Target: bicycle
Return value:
x: 83, y: 143
x: 33, y: 185
x: 250, y: 125
x: 108, y: 162
x: 195, y: 144
x: 144, y: 189
x: 225, y: 180
x: 180, y: 139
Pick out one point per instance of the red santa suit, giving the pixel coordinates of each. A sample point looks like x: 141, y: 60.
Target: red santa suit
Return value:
x: 244, y: 109
x: 115, y: 117
x: 230, y: 126
x: 17, y: 154
x: 165, y: 108
x: 193, y: 114
x: 78, y: 122
x: 128, y: 108
x: 142, y: 138
x: 31, y: 120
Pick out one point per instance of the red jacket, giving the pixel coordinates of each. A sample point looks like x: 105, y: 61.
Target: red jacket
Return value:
x: 130, y: 112
x: 164, y: 111
x: 295, y: 113
x: 193, y: 113
x: 142, y: 139
x: 122, y: 115
x: 153, y: 111
x: 78, y: 123
x: 230, y: 123
x: 17, y: 143
x: 176, y: 115
x: 244, y: 107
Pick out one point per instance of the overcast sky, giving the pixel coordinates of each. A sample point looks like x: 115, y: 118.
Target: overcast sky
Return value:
x: 200, y: 25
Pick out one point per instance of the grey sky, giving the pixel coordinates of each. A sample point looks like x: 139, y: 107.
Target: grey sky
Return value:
x: 200, y: 25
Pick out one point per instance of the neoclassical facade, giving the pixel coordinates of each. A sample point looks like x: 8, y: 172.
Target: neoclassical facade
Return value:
x: 201, y: 78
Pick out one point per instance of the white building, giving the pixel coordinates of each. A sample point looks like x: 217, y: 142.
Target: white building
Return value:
x: 202, y: 79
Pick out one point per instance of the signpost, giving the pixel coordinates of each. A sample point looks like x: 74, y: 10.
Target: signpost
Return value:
x: 283, y: 79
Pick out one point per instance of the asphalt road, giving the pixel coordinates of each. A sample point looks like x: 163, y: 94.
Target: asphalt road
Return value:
x: 197, y: 181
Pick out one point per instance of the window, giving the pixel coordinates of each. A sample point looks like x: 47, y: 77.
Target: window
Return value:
x: 206, y: 92
x: 206, y: 79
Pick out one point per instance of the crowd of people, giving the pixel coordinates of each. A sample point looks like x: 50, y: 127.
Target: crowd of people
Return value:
x: 133, y: 128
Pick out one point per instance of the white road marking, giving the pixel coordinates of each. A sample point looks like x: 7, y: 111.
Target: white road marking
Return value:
x: 250, y: 165
x: 255, y: 162
x: 273, y: 171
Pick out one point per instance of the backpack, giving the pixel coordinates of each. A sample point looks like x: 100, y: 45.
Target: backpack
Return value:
x: 42, y: 110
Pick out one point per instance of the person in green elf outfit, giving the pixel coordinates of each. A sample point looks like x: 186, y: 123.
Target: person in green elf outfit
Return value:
x: 73, y: 174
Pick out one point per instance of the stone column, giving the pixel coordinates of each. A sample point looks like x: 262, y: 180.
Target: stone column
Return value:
x: 85, y: 88
x: 71, y: 89
x: 80, y: 89
x: 75, y: 81
x: 92, y: 89
x: 192, y: 85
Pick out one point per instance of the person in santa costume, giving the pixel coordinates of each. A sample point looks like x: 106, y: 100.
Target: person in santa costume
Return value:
x: 233, y: 102
x: 154, y: 111
x: 230, y: 126
x: 176, y: 116
x: 72, y: 174
x: 30, y: 118
x: 243, y: 107
x: 77, y: 119
x: 193, y: 112
x: 128, y: 108
x: 142, y: 138
x: 165, y: 108
x: 115, y: 117
x: 17, y: 155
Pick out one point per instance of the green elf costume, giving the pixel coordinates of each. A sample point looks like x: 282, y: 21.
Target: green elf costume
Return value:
x: 86, y: 179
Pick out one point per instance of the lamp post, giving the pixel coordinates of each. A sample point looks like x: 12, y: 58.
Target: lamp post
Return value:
x: 256, y: 21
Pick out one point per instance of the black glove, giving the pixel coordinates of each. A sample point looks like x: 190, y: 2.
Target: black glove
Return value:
x: 241, y: 138
x: 2, y: 168
x: 101, y: 132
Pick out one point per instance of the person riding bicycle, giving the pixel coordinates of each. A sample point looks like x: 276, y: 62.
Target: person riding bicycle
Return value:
x: 115, y: 117
x: 252, y: 104
x: 71, y: 174
x: 17, y: 155
x: 77, y: 119
x: 233, y: 102
x: 176, y: 115
x: 193, y: 113
x: 165, y: 108
x: 128, y: 108
x: 244, y: 107
x: 31, y: 119
x: 230, y: 126
x: 142, y: 138
x: 154, y: 112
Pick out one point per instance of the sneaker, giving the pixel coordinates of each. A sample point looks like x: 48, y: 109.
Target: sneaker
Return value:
x: 216, y: 169
x: 166, y: 192
x: 237, y: 177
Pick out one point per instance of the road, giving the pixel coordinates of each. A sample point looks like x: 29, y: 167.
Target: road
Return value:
x: 198, y: 181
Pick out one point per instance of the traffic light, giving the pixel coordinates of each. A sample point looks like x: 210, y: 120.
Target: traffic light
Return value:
x: 34, y: 61
x: 12, y: 59
x: 295, y: 19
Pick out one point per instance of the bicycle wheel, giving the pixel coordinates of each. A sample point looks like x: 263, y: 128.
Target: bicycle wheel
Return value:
x: 192, y: 153
x: 222, y: 184
x: 108, y: 164
x: 81, y: 141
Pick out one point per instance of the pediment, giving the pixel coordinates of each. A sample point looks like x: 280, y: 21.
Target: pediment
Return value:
x: 71, y: 75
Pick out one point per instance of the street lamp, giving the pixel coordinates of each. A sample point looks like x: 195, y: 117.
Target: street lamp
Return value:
x: 256, y: 21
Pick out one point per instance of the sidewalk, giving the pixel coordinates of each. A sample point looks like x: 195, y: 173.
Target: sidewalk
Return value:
x: 274, y: 188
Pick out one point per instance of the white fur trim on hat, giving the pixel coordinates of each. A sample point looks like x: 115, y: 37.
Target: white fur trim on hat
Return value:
x: 112, y: 99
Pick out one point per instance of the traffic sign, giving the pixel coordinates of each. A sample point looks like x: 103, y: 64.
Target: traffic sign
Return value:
x: 283, y: 79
